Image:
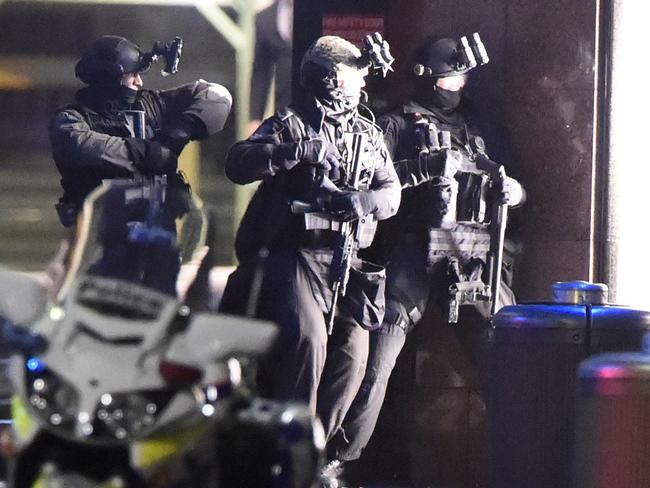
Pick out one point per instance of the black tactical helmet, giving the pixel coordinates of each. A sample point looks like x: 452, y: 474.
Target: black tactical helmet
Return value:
x: 438, y: 58
x: 108, y: 58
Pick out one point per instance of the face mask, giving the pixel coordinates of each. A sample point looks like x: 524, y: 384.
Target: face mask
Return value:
x: 446, y: 100
x: 127, y: 95
x: 436, y: 98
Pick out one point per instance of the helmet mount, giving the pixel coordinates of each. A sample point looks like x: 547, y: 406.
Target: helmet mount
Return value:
x: 447, y: 57
x: 110, y: 57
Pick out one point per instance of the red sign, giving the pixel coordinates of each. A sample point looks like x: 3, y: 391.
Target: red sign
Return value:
x: 352, y: 27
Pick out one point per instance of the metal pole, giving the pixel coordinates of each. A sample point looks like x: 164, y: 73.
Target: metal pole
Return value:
x: 244, y: 57
x: 242, y: 37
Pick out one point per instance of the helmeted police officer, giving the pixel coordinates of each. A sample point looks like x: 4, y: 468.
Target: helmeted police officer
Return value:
x: 439, y: 236
x: 93, y: 139
x: 300, y: 155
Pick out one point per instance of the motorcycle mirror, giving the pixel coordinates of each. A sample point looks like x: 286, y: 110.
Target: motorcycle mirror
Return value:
x: 22, y: 298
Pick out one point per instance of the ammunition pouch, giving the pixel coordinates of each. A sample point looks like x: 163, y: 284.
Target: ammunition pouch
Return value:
x: 472, y: 198
x: 429, y: 138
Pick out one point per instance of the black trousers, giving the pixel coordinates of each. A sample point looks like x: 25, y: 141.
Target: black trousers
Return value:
x: 413, y: 283
x: 354, y: 434
x: 306, y: 365
x: 408, y: 289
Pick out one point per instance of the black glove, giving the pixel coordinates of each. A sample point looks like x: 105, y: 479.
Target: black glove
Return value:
x: 152, y: 158
x: 182, y: 130
x: 349, y: 205
x: 316, y: 152
x: 178, y: 201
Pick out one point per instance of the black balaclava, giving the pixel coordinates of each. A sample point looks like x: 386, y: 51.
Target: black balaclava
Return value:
x: 435, y: 97
x: 109, y: 97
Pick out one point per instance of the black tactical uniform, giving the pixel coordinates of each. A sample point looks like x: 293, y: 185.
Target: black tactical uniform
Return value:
x: 92, y: 139
x: 291, y: 153
x: 425, y: 247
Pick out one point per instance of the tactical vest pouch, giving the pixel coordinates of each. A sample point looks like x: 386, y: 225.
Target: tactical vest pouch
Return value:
x: 471, y: 200
x: 365, y: 301
x: 366, y: 229
x: 429, y: 138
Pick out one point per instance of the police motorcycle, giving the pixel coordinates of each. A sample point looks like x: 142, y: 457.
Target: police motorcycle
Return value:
x: 118, y: 383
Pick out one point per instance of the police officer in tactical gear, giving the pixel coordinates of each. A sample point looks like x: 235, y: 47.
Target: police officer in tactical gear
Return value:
x: 300, y: 155
x: 438, y: 238
x: 94, y: 138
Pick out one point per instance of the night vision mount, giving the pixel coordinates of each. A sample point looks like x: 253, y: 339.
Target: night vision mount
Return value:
x: 376, y: 52
x: 469, y: 54
x: 170, y: 52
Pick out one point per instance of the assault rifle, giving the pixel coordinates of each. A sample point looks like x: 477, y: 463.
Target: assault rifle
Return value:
x: 348, y: 235
x: 473, y: 291
x: 351, y: 234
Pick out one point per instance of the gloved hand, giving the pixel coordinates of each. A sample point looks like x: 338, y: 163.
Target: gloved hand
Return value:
x: 316, y: 152
x: 349, y: 205
x: 151, y: 157
x: 511, y: 192
x: 182, y: 130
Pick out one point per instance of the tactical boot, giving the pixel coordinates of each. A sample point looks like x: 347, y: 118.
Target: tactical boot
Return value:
x: 330, y: 474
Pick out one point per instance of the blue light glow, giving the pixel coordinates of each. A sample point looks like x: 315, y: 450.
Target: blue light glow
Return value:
x: 35, y: 365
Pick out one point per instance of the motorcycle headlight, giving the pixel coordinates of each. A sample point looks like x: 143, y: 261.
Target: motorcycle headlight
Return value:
x: 51, y: 398
x: 129, y: 415
x: 117, y: 416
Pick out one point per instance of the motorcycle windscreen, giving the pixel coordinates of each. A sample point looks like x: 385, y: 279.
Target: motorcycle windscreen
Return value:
x: 143, y: 233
